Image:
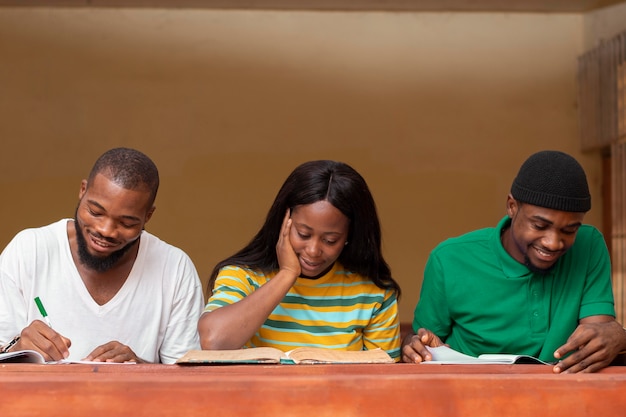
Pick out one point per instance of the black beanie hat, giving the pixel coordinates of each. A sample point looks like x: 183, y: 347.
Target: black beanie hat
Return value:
x: 554, y: 180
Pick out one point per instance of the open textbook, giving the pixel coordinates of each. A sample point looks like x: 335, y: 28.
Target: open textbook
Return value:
x: 269, y: 355
x: 446, y: 355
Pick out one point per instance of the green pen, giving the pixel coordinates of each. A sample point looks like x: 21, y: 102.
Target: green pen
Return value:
x: 42, y: 311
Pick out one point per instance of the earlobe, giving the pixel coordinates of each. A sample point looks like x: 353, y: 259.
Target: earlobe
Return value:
x: 83, y: 189
x: 511, y: 206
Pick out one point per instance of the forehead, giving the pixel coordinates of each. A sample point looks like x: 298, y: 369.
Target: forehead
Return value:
x: 321, y: 216
x: 557, y: 217
x: 114, y: 198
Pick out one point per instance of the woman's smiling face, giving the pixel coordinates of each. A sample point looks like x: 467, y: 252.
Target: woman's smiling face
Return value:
x: 319, y: 233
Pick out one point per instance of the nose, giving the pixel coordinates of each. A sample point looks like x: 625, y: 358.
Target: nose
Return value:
x: 313, y: 248
x: 106, y: 228
x: 553, y: 241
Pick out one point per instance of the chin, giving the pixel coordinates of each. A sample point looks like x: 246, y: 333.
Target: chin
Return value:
x: 543, y: 269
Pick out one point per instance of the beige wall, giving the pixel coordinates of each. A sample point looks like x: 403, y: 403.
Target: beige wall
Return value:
x: 436, y: 110
x: 603, y: 24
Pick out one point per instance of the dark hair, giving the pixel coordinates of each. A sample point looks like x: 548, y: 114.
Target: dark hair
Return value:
x: 128, y: 168
x: 344, y: 188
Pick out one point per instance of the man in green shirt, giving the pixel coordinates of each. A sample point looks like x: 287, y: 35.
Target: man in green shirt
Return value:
x: 538, y: 284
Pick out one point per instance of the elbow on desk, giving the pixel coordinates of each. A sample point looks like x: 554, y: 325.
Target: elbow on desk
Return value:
x: 212, y: 337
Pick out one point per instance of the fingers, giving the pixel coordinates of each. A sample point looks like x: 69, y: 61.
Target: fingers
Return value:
x: 285, y: 228
x: 582, y: 361
x: 42, y: 338
x: 575, y: 342
x: 112, y: 352
x: 414, y: 346
x: 287, y: 258
x: 429, y: 338
x: 591, y: 347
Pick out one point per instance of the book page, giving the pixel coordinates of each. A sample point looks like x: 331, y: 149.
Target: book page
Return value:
x: 68, y: 361
x: 21, y: 356
x: 308, y: 355
x: 446, y: 355
x: 250, y: 355
x: 517, y: 359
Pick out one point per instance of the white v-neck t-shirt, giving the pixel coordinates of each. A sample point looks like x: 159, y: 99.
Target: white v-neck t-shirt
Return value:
x: 155, y: 312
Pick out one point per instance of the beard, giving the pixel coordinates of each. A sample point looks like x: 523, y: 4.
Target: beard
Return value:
x: 97, y: 263
x: 536, y: 270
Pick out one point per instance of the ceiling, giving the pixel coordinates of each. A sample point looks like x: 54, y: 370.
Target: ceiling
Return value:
x: 547, y: 6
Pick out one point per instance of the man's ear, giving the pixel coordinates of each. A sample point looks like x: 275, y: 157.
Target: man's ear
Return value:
x: 83, y: 189
x: 512, y: 206
x: 149, y: 214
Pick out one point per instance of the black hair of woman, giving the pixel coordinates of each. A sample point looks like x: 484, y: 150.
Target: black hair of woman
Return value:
x: 344, y: 188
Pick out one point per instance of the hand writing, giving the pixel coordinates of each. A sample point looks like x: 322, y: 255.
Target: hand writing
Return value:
x: 42, y: 338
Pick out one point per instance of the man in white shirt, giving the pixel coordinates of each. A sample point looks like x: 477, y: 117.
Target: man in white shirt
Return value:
x: 113, y: 291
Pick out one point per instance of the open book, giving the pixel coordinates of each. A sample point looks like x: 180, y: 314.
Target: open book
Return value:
x: 22, y: 356
x: 445, y: 355
x: 302, y: 355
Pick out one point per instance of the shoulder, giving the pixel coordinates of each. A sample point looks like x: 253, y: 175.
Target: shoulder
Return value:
x: 588, y: 239
x: 44, y: 234
x: 155, y: 247
x: 587, y: 231
x: 238, y: 279
x: 239, y: 272
x: 474, y: 239
x: 164, y: 259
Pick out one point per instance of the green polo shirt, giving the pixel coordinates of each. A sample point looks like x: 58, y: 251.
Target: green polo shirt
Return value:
x: 478, y: 299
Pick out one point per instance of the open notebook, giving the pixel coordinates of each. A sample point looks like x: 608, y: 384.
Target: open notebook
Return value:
x: 445, y: 355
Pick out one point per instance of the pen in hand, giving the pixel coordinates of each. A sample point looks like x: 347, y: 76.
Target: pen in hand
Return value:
x: 42, y: 311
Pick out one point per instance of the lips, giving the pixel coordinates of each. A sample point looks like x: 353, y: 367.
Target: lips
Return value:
x: 100, y: 245
x: 308, y: 265
x: 546, y: 256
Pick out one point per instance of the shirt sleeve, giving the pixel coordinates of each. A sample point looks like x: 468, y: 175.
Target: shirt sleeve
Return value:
x: 13, y: 309
x: 597, y: 298
x: 431, y: 311
x: 231, y: 285
x: 181, y: 334
x: 383, y: 331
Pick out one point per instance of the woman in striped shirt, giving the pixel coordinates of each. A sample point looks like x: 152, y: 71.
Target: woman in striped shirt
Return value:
x: 314, y: 275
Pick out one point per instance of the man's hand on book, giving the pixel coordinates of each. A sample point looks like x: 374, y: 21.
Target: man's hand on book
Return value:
x: 414, y: 346
x: 113, y: 352
x: 593, y: 346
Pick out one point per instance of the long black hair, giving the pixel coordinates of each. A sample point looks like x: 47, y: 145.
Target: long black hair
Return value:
x: 344, y: 188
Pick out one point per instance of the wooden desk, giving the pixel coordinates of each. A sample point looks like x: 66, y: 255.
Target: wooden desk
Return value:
x: 308, y: 390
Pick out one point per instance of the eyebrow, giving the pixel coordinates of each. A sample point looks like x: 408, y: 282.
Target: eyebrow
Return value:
x: 543, y: 219
x: 124, y: 216
x: 310, y: 228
